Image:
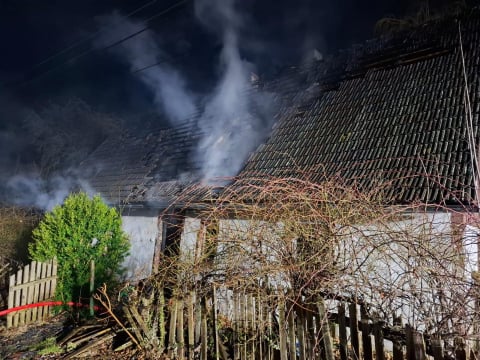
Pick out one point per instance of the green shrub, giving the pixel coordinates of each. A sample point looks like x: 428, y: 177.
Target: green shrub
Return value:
x: 81, y: 230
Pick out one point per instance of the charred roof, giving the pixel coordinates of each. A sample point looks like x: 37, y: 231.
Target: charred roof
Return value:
x: 390, y: 111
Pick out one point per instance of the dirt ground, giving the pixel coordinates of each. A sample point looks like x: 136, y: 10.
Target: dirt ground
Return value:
x: 22, y: 343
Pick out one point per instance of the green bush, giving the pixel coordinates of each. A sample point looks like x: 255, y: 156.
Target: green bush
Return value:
x: 81, y: 230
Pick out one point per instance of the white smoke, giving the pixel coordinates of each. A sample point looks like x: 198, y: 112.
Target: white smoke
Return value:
x: 32, y: 190
x: 233, y: 118
x: 142, y: 51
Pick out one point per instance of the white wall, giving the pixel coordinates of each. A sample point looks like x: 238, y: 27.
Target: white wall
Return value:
x: 142, y: 232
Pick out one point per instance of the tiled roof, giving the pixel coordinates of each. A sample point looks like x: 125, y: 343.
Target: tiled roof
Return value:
x: 390, y: 112
x: 153, y: 167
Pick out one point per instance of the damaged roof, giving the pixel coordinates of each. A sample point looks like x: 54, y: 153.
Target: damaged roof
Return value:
x: 153, y: 167
x: 390, y: 113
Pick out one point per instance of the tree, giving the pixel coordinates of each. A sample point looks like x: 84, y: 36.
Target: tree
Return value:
x: 81, y: 230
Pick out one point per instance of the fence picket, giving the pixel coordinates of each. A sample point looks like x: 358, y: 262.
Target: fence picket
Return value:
x: 352, y: 313
x: 366, y: 340
x: 34, y: 283
x: 342, y: 332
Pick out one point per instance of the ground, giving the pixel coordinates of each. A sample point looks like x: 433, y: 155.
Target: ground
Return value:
x: 27, y: 342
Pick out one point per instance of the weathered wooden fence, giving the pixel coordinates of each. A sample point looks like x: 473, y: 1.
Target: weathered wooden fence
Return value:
x: 249, y: 328
x: 34, y: 283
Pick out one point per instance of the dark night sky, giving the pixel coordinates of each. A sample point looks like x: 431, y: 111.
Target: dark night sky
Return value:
x: 277, y: 33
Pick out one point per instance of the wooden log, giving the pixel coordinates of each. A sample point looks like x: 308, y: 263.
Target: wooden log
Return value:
x: 74, y: 343
x: 352, y: 312
x: 134, y: 326
x: 419, y: 346
x: 324, y: 328
x: 342, y: 332
x: 366, y: 340
x: 378, y: 334
x: 84, y: 349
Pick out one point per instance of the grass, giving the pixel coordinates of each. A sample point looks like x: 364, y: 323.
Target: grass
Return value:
x: 48, y: 346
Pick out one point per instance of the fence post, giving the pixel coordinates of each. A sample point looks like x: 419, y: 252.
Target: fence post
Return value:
x: 352, y: 313
x: 292, y: 346
x: 282, y: 333
x: 366, y: 340
x: 397, y: 345
x: 437, y: 348
x: 324, y: 328
x: 378, y: 334
x: 171, y: 333
x: 342, y: 332
x: 419, y: 346
x: 460, y: 349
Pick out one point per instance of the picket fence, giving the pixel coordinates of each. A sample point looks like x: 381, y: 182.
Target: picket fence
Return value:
x: 34, y: 283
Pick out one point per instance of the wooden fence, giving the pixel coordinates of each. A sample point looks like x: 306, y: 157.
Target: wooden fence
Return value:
x: 252, y: 329
x: 34, y: 283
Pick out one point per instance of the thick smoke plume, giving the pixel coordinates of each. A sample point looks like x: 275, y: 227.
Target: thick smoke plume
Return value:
x: 234, y: 118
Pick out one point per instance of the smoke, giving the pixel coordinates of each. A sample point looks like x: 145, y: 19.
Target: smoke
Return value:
x: 235, y: 118
x: 142, y: 51
x: 41, y: 149
x: 32, y: 190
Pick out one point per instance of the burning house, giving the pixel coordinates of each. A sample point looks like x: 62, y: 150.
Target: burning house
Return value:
x: 400, y: 113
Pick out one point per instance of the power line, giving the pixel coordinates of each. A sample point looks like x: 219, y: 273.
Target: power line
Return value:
x: 160, y: 62
x: 90, y: 37
x: 106, y: 47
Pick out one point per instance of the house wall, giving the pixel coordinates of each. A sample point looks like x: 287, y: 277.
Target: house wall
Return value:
x: 142, y: 232
x: 411, y: 255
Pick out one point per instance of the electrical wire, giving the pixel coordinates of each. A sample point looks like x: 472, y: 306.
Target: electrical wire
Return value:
x: 106, y: 47
x: 90, y: 37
